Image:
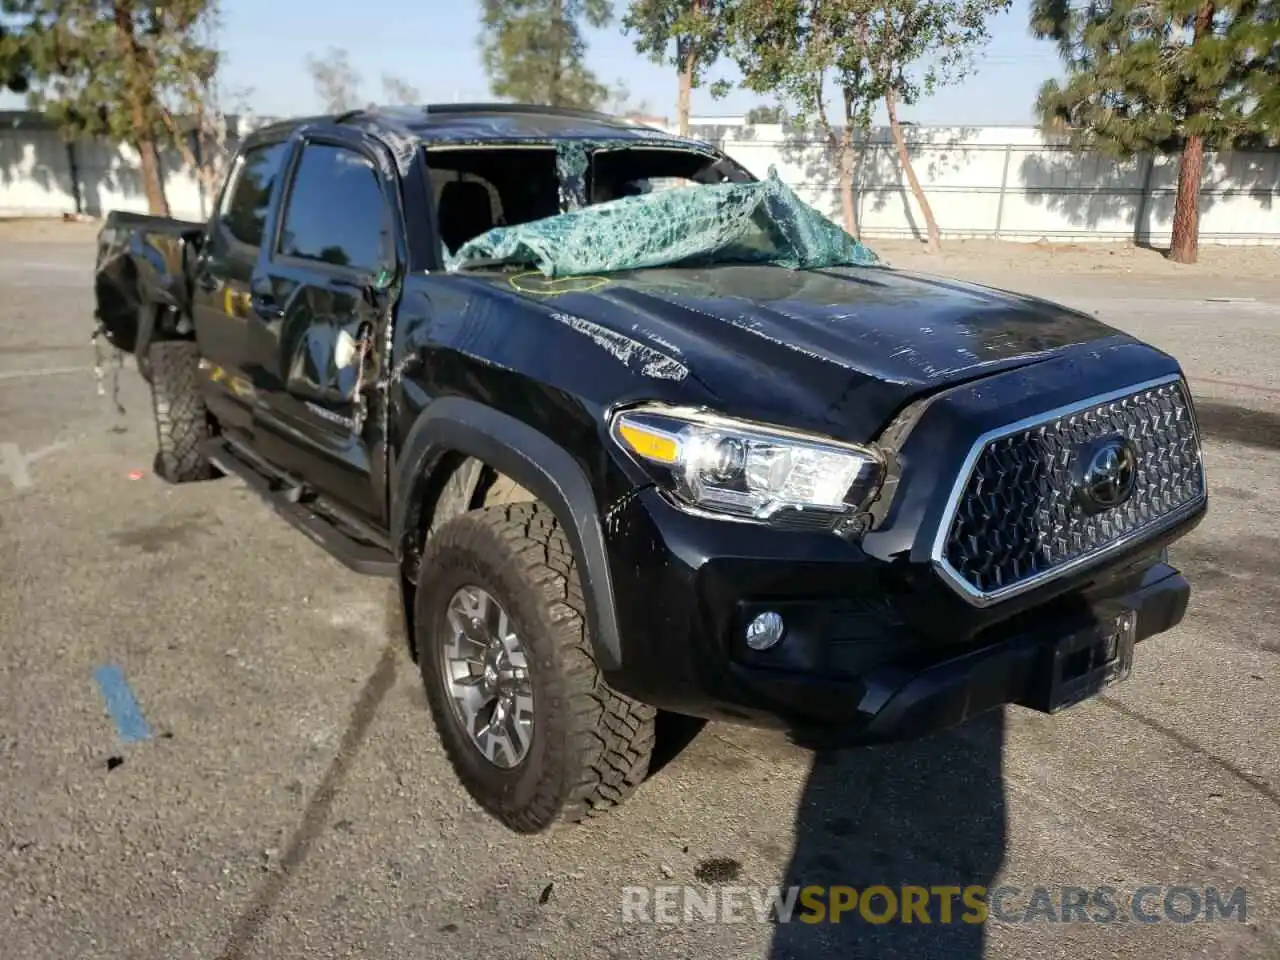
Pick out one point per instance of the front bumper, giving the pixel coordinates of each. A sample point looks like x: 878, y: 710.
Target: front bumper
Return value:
x: 897, y: 702
x: 863, y: 660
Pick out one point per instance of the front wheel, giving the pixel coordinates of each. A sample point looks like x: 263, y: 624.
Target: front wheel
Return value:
x: 526, y: 720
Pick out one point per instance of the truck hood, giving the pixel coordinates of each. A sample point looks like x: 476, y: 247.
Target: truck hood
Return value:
x: 840, y: 350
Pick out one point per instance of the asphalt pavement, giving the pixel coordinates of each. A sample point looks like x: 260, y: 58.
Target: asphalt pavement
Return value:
x: 214, y: 745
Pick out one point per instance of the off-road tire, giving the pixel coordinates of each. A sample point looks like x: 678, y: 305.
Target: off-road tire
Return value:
x: 182, y: 422
x: 591, y: 746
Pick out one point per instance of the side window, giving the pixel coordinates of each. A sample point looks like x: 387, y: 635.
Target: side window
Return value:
x: 441, y: 178
x: 336, y: 212
x: 244, y: 210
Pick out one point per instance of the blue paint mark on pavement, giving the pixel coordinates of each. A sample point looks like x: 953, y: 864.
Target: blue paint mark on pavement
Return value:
x: 130, y: 723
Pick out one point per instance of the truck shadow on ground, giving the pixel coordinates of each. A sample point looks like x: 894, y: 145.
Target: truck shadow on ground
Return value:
x: 248, y: 926
x: 1234, y: 423
x: 928, y: 813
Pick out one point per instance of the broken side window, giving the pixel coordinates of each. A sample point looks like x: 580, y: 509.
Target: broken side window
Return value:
x: 630, y: 170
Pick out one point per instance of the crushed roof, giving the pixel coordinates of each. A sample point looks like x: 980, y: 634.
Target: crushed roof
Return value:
x: 494, y: 122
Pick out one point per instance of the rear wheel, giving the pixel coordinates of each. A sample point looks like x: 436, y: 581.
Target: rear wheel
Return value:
x: 526, y: 720
x: 182, y: 422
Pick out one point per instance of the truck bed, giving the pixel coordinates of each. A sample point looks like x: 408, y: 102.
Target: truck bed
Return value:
x: 142, y: 268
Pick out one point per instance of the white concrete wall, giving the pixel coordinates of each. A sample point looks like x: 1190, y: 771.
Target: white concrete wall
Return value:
x: 1002, y: 182
x: 1007, y: 182
x: 37, y: 177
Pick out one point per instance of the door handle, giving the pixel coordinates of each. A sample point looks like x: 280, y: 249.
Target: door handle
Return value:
x: 265, y: 306
x: 361, y: 288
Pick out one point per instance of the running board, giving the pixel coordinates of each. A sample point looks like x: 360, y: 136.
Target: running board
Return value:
x: 340, y: 536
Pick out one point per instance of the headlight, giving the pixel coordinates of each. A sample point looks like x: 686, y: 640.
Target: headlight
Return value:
x: 752, y: 471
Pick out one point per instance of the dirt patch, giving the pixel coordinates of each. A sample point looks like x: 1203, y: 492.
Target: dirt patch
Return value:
x: 25, y: 348
x: 155, y: 537
x: 48, y: 230
x: 991, y: 258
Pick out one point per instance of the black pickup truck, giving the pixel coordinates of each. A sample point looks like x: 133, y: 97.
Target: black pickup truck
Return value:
x: 850, y: 502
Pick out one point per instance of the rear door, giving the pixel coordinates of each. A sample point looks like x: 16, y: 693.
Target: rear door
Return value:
x: 223, y: 309
x: 337, y: 241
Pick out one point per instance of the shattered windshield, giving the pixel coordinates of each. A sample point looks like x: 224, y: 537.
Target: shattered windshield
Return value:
x: 631, y: 208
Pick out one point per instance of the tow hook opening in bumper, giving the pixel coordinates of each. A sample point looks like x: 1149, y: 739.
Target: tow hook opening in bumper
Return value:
x: 1083, y: 664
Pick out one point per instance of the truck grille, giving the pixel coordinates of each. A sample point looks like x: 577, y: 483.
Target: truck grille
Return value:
x: 1018, y: 518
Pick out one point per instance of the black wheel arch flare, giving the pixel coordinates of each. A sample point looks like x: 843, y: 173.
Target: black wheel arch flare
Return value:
x: 532, y: 459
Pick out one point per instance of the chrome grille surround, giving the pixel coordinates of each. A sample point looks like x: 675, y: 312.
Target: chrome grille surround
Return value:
x: 1011, y: 523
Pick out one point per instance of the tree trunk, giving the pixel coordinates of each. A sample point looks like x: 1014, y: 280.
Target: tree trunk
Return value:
x: 688, y: 58
x: 140, y: 94
x: 152, y: 176
x: 849, y: 171
x: 904, y: 158
x: 1185, y: 245
x: 846, y: 181
x: 554, y: 92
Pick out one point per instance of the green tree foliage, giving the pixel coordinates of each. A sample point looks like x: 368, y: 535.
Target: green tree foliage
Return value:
x: 198, y: 124
x: 870, y: 51
x: 336, y: 81
x: 534, y: 51
x: 620, y: 103
x: 914, y: 47
x: 797, y: 50
x: 15, y: 67
x: 766, y: 114
x: 1164, y: 75
x: 691, y: 35
x: 398, y: 90
x: 117, y: 69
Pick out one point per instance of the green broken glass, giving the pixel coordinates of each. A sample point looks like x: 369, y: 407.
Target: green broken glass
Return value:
x: 759, y: 222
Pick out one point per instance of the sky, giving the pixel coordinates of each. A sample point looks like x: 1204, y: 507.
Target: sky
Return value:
x: 431, y: 44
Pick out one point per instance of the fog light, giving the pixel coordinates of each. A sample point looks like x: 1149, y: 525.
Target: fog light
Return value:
x: 765, y: 631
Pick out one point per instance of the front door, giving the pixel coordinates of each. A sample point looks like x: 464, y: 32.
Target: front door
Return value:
x: 321, y: 286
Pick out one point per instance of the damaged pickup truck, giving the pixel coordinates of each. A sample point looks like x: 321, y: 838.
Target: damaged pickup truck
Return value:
x: 636, y: 432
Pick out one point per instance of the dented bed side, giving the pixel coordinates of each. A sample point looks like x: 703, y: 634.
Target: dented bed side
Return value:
x: 142, y: 279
